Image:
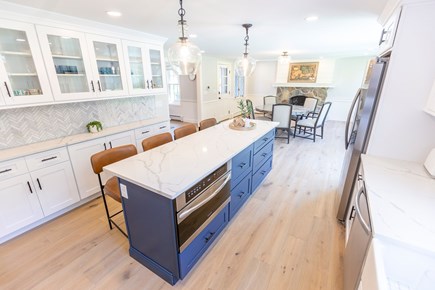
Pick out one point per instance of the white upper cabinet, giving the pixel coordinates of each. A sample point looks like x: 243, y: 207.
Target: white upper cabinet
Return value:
x: 144, y: 67
x: 107, y: 65
x: 68, y: 64
x: 388, y: 33
x: 22, y: 72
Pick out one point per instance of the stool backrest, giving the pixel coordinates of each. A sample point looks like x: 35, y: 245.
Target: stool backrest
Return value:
x: 184, y: 131
x: 156, y: 141
x: 112, y: 155
x: 207, y: 123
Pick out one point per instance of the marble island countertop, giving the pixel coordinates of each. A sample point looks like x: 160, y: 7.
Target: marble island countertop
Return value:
x: 401, y: 198
x: 16, y: 152
x: 173, y: 168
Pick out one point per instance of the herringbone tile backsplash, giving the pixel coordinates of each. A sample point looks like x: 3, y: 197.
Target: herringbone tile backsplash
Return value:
x: 35, y: 124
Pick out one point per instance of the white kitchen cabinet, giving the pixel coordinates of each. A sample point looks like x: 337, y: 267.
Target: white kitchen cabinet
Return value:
x: 144, y: 68
x: 369, y: 276
x: 22, y: 72
x: 143, y: 133
x: 20, y: 204
x: 388, y: 33
x: 359, y: 183
x: 107, y: 65
x: 55, y: 186
x: 162, y: 127
x: 68, y: 63
x: 87, y: 180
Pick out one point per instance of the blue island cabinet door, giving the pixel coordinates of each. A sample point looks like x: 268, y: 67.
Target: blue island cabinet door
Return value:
x: 152, y: 233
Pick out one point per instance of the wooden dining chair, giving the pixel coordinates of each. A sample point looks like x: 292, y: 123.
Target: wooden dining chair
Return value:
x: 184, y: 131
x: 156, y: 141
x: 111, y: 186
x: 207, y: 123
x: 282, y: 113
x: 269, y: 100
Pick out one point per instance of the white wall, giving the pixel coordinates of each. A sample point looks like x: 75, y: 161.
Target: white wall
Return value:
x: 402, y: 130
x: 260, y: 83
x: 347, y: 78
x: 187, y: 108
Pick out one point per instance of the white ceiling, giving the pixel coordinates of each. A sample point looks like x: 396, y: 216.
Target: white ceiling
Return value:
x: 344, y: 28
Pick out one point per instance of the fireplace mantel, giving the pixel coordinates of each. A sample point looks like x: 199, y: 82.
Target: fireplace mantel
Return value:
x: 302, y: 85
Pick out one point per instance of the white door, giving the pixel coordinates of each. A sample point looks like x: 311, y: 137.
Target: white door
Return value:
x: 108, y: 65
x: 156, y: 69
x: 56, y: 187
x: 80, y: 156
x: 68, y: 64
x: 22, y: 71
x: 19, y: 204
x: 120, y: 139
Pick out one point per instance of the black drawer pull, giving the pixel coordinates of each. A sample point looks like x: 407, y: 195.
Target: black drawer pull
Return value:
x: 6, y: 170
x: 263, y: 172
x: 162, y: 127
x: 241, y: 194
x: 39, y: 183
x: 208, y: 238
x: 49, y: 158
x: 360, y: 177
x: 242, y: 165
x: 264, y: 154
x: 145, y: 132
x: 30, y: 188
x: 265, y: 139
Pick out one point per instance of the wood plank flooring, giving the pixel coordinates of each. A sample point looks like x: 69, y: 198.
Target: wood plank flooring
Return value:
x: 285, y: 237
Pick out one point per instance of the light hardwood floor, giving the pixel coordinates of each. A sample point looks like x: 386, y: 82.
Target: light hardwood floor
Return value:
x: 285, y: 237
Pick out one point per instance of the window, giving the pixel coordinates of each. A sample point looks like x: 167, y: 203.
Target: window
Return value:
x: 223, y: 80
x: 173, y: 86
x: 239, y: 86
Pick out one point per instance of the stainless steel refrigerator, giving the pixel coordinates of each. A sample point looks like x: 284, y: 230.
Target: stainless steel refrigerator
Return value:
x: 357, y: 132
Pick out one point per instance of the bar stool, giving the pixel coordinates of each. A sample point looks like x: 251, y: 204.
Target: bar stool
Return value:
x: 111, y: 187
x: 207, y: 123
x: 156, y: 141
x: 184, y: 131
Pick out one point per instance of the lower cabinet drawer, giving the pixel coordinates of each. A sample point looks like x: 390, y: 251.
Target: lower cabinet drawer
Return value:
x: 200, y: 244
x: 259, y: 176
x: 261, y: 156
x: 240, y: 194
x: 240, y: 164
x: 263, y: 140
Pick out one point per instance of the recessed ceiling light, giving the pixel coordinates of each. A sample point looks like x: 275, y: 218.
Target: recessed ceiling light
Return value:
x: 114, y: 13
x: 20, y: 40
x: 193, y: 35
x: 311, y: 18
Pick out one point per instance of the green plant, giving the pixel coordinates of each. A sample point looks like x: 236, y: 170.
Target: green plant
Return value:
x: 245, y: 110
x: 96, y: 124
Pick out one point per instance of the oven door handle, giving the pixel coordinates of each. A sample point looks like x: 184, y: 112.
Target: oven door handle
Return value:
x: 185, y: 214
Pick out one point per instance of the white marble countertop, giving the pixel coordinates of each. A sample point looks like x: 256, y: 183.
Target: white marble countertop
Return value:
x: 401, y: 197
x: 172, y: 168
x: 16, y: 152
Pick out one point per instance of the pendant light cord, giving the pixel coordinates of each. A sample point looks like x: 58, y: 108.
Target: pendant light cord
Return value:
x: 246, y: 26
x: 181, y: 13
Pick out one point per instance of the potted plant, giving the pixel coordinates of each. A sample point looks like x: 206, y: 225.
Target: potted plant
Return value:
x: 245, y: 111
x: 94, y: 127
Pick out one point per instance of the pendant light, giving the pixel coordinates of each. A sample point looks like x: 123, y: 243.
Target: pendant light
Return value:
x: 184, y: 56
x: 245, y: 65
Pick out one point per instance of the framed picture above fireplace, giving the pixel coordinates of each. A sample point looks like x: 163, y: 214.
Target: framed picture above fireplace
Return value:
x: 303, y: 72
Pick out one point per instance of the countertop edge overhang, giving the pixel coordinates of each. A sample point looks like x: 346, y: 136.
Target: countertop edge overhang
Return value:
x: 172, y: 168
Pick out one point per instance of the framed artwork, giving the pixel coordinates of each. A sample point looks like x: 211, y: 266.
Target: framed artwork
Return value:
x: 303, y: 72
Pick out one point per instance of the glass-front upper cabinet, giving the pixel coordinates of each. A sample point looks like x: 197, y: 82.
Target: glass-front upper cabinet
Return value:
x: 68, y: 64
x: 144, y: 67
x: 22, y: 71
x: 108, y: 65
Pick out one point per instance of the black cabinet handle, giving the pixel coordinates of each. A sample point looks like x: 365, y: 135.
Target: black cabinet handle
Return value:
x: 360, y: 177
x: 242, y: 165
x: 263, y: 172
x: 99, y: 85
x: 265, y: 139
x: 6, y: 170
x: 110, y: 143
x: 210, y: 235
x: 352, y: 213
x: 264, y: 154
x: 151, y: 84
x: 39, y: 183
x: 105, y: 147
x: 7, y: 89
x: 241, y: 194
x: 92, y: 85
x: 30, y: 188
x: 47, y: 159
x: 382, y: 40
x: 163, y: 127
x: 145, y: 132
x: 148, y: 84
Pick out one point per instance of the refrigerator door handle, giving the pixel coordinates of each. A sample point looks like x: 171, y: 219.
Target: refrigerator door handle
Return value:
x: 355, y: 102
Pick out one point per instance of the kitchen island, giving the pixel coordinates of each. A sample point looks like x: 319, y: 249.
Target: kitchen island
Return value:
x: 167, y: 233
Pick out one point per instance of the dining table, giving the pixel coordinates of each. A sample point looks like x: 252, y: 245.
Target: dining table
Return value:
x: 296, y: 110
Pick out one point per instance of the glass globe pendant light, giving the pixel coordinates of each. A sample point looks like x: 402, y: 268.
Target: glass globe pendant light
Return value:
x: 184, y: 56
x: 245, y: 65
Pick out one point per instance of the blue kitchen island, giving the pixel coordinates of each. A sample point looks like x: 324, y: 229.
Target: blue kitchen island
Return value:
x: 177, y: 198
